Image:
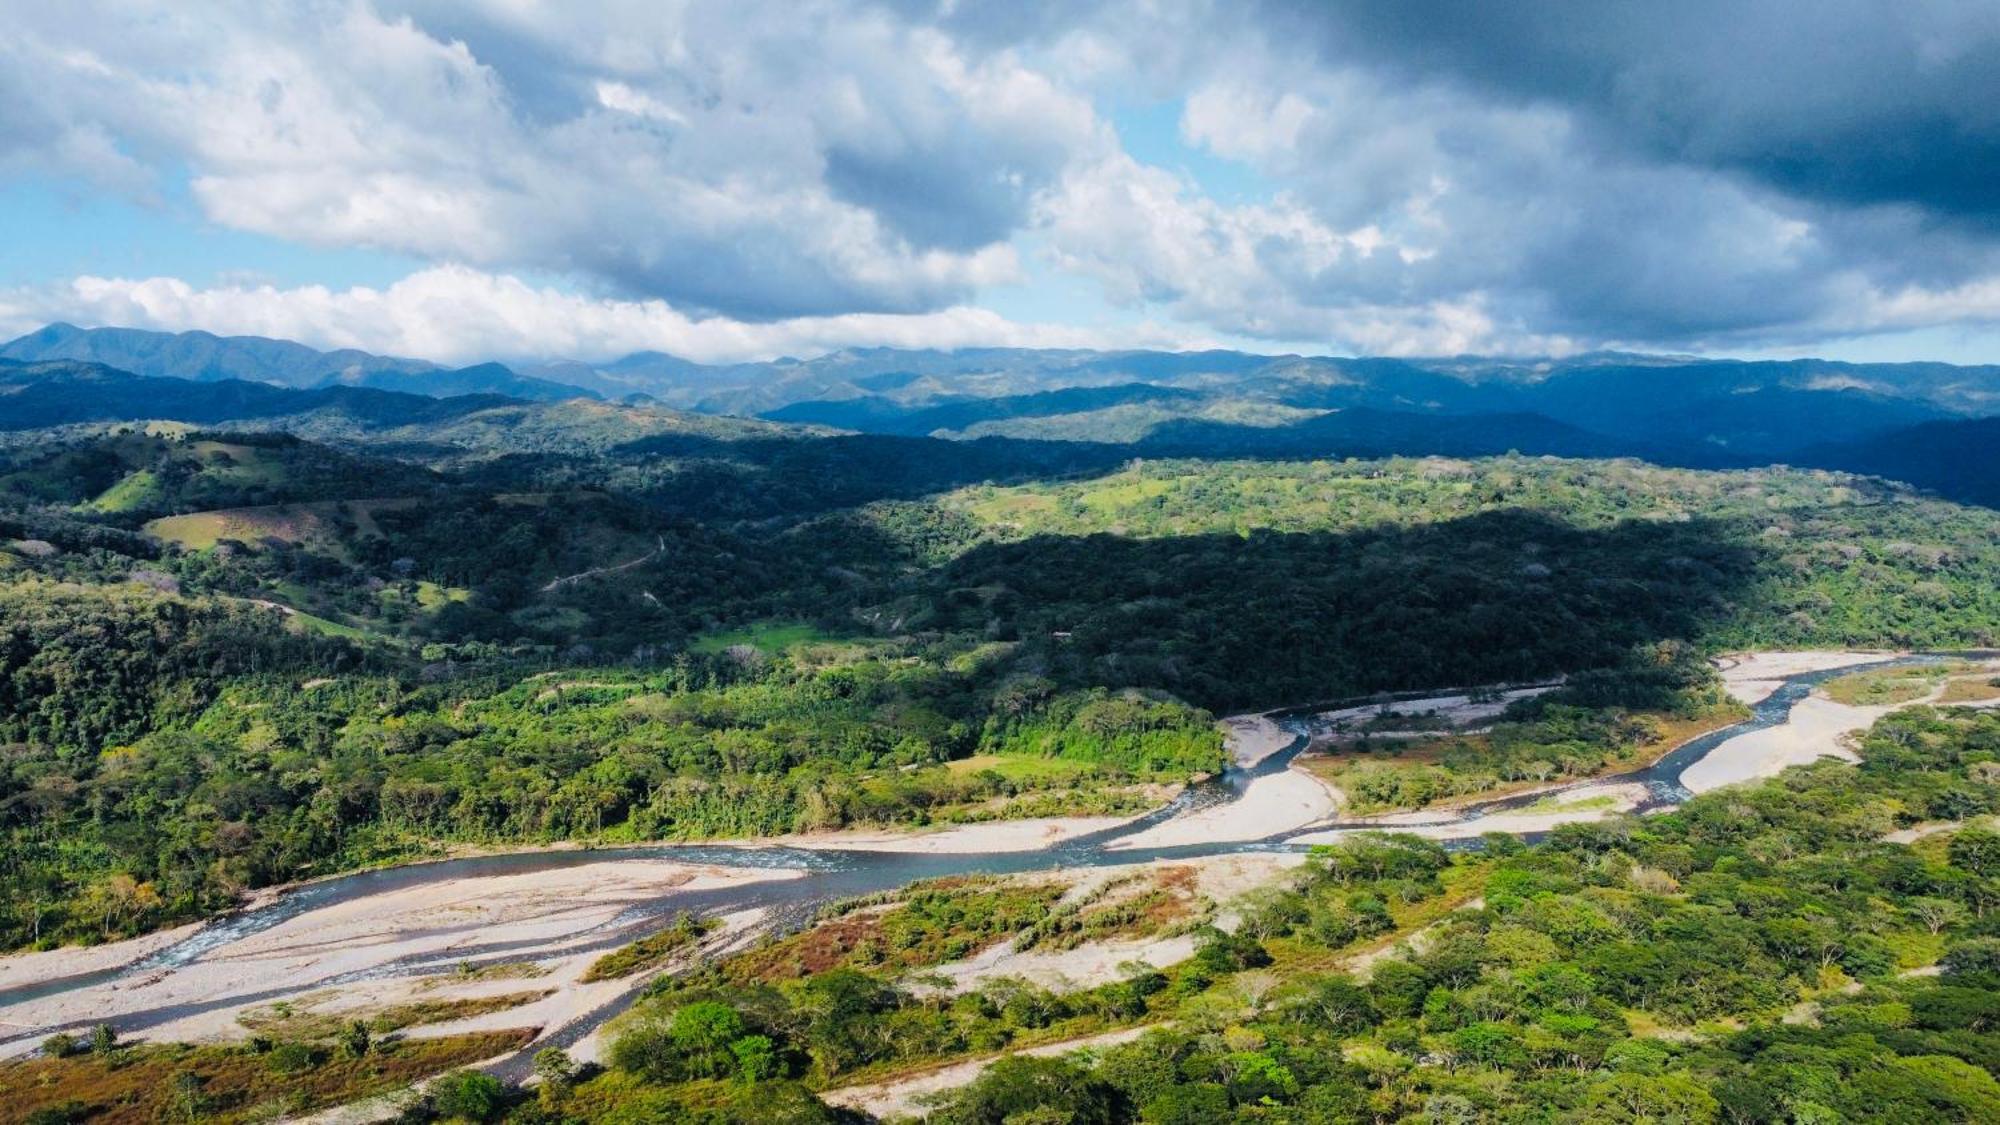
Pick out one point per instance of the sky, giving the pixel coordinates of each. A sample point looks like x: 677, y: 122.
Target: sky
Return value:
x: 462, y: 180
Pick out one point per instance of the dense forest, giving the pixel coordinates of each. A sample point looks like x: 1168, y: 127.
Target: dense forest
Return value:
x: 234, y: 659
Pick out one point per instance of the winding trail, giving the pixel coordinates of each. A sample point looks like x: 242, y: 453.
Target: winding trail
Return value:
x: 593, y: 572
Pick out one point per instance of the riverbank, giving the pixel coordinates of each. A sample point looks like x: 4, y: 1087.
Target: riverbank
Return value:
x: 1576, y: 804
x: 983, y: 837
x: 452, y: 938
x: 1751, y: 678
x: 1817, y: 727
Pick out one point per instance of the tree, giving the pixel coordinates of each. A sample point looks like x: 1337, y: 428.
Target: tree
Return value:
x: 557, y: 1072
x: 1936, y: 914
x: 1201, y: 1103
x: 1021, y: 1084
x: 1976, y: 850
x: 355, y: 1040
x: 467, y: 1095
x: 756, y: 1058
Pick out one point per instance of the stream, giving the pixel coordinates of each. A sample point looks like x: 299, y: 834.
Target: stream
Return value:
x: 830, y: 875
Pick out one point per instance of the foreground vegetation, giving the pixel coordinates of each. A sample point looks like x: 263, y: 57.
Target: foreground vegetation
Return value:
x: 1758, y: 956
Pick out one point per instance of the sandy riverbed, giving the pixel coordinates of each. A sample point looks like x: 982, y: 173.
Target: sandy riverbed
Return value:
x: 986, y: 836
x: 1455, y: 712
x: 1752, y: 677
x: 1817, y: 727
x: 545, y: 917
x: 1269, y: 804
x: 74, y: 960
x: 1815, y: 730
x: 1580, y: 805
x: 1253, y: 738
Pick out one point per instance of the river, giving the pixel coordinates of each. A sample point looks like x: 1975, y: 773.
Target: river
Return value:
x: 828, y: 875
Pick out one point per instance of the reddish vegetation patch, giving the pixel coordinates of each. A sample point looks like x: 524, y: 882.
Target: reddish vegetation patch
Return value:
x: 826, y: 946
x: 141, y: 1085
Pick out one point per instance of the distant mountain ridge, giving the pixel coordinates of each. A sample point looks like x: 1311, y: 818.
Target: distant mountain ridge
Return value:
x: 1678, y: 409
x: 1952, y: 456
x: 206, y: 357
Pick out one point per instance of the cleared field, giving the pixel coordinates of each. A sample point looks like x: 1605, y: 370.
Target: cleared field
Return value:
x: 135, y: 491
x: 324, y: 522
x: 770, y: 638
x: 1020, y: 767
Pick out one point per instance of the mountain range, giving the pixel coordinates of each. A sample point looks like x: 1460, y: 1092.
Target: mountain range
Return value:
x: 1930, y: 424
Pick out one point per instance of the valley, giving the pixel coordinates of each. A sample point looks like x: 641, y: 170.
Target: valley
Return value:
x: 342, y: 723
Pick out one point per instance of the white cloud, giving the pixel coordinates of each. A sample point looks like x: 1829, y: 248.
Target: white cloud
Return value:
x: 761, y: 162
x: 813, y: 161
x: 454, y: 314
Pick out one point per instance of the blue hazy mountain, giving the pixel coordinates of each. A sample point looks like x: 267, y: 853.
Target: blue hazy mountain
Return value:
x: 205, y: 357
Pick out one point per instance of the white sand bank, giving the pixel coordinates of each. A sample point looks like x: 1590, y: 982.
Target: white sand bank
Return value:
x: 1815, y: 730
x: 1752, y: 677
x: 540, y: 916
x: 1253, y: 738
x: 1269, y: 804
x: 987, y: 836
x: 72, y: 960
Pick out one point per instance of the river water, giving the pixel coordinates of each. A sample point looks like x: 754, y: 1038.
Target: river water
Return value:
x: 830, y: 874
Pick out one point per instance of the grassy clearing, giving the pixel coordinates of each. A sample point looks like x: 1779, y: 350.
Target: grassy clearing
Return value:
x: 1554, y: 802
x: 1023, y: 767
x: 1009, y: 507
x: 142, y: 1085
x: 930, y: 923
x: 1972, y: 689
x: 1884, y: 688
x: 1446, y: 770
x: 324, y: 626
x: 767, y: 637
x: 138, y: 490
x: 323, y: 524
x: 650, y: 951
x: 1110, y: 497
x: 289, y: 1021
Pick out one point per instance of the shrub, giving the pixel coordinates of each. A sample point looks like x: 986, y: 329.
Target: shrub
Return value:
x: 467, y: 1094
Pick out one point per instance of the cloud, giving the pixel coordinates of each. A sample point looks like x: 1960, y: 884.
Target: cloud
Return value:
x: 1518, y: 187
x: 1428, y: 176
x: 769, y: 162
x: 455, y: 314
x: 1861, y: 102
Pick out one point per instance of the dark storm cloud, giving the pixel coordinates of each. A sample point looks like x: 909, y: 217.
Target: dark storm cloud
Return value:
x: 1842, y: 103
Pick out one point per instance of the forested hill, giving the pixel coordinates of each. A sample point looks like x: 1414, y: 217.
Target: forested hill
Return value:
x: 237, y: 658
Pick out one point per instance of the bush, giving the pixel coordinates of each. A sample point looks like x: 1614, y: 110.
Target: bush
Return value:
x: 68, y: 1113
x: 61, y: 1046
x: 467, y: 1094
x: 291, y: 1058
